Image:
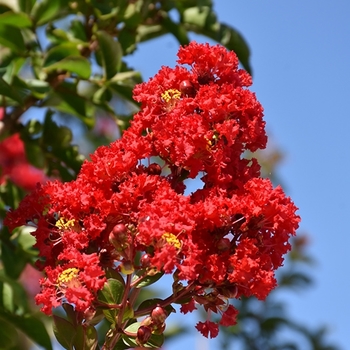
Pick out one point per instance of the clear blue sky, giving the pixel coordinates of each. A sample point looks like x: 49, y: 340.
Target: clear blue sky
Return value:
x: 301, y: 62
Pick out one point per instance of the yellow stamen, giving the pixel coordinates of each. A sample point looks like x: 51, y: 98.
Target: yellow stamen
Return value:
x: 64, y: 224
x: 68, y: 275
x: 172, y: 239
x: 171, y: 94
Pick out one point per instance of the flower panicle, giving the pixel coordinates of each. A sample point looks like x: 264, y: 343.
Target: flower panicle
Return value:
x: 221, y: 242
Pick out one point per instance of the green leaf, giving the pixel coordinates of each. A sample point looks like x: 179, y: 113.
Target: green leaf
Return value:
x: 13, y: 260
x: 64, y: 332
x: 86, y: 337
x: 38, y: 88
x: 32, y: 327
x: 56, y: 136
x: 233, y: 40
x: 70, y: 312
x: 8, y: 334
x: 75, y: 64
x: 199, y: 16
x: 202, y: 20
x: 128, y: 313
x: 127, y: 38
x: 71, y: 103
x: 155, y: 342
x: 20, y: 87
x: 34, y: 154
x: 13, y: 68
x: 78, y: 30
x: 27, y: 241
x: 148, y: 32
x: 14, y: 296
x: 26, y: 5
x: 59, y: 52
x: 46, y: 11
x: 111, y: 53
x: 121, y: 345
x: 12, y: 38
x: 132, y: 74
x: 294, y: 279
x: 147, y: 280
x: 176, y: 29
x: 8, y: 91
x: 112, y: 292
x: 131, y: 341
x: 124, y: 91
x: 102, y: 95
x: 15, y: 19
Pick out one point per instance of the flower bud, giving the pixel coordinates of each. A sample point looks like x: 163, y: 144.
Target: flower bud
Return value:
x: 187, y: 88
x: 143, y: 334
x: 118, y: 237
x: 119, y: 230
x: 224, y: 244
x: 158, y: 315
x: 145, y: 260
x: 154, y: 169
x: 229, y: 291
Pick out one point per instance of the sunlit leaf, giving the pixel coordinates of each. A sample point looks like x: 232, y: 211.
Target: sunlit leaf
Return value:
x: 112, y: 292
x: 47, y: 10
x: 15, y: 19
x: 147, y: 280
x: 75, y: 64
x: 111, y: 53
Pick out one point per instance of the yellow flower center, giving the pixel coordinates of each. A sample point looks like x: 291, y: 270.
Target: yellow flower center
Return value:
x: 64, y: 224
x: 68, y: 275
x: 171, y: 94
x: 172, y: 239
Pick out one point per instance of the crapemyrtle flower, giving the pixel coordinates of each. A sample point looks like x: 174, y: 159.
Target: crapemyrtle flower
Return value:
x: 128, y: 214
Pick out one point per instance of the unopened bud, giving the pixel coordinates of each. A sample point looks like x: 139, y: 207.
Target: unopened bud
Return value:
x: 224, y: 244
x: 143, y: 334
x: 119, y: 231
x: 159, y: 315
x: 145, y: 260
x: 229, y: 291
x: 187, y: 88
x: 154, y: 169
x: 118, y: 237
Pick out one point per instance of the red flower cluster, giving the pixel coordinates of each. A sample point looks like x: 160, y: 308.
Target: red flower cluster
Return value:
x: 225, y: 239
x: 14, y: 165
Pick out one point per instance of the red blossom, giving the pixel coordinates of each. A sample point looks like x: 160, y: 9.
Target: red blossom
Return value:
x: 225, y: 240
x: 14, y: 165
x: 229, y: 317
x: 208, y: 329
x: 188, y: 307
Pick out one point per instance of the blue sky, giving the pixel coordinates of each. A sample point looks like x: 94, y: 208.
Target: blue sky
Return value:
x: 301, y: 63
